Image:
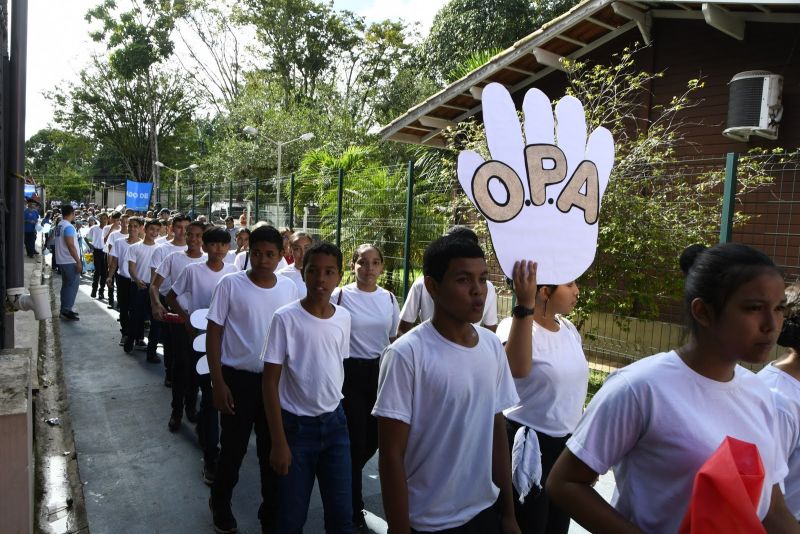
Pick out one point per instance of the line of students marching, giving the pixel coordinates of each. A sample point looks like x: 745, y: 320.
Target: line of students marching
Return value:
x: 478, y: 432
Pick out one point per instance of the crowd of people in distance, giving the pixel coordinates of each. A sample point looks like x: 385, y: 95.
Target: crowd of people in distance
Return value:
x: 480, y: 427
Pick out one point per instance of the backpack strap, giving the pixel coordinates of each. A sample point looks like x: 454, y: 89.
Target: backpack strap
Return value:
x: 246, y: 260
x: 339, y: 298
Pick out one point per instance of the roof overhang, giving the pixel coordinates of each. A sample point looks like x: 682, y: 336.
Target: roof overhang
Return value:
x: 585, y: 27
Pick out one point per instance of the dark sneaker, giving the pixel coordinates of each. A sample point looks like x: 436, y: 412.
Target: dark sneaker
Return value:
x: 153, y: 358
x: 69, y: 316
x: 174, y: 421
x: 122, y: 340
x: 360, y: 523
x: 222, y: 516
x: 93, y: 294
x: 191, y: 414
x: 128, y: 347
x: 100, y: 296
x: 110, y: 304
x: 140, y: 345
x: 209, y: 474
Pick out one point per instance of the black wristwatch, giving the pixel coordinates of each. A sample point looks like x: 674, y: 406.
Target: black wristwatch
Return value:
x: 521, y: 311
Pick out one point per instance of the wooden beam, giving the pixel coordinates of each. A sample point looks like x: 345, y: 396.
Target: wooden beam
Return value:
x: 548, y: 59
x: 435, y: 122
x: 724, y: 21
x: 643, y: 20
x: 451, y: 106
x: 600, y: 23
x: 521, y: 71
x: 570, y: 40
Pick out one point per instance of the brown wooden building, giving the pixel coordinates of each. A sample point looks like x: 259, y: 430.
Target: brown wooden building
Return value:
x: 712, y: 40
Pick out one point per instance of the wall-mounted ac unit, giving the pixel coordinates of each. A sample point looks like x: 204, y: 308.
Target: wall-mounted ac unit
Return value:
x: 754, y: 105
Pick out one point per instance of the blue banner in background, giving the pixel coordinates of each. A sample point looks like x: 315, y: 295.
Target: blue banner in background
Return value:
x: 137, y: 195
x: 30, y: 190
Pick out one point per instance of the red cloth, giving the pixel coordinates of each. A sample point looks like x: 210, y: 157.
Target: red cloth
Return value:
x: 726, y: 492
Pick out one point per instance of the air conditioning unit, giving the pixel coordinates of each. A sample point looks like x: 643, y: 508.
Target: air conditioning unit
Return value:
x: 754, y: 105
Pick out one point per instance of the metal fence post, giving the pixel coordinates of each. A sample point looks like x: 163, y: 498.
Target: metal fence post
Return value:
x: 291, y: 201
x: 210, y: 195
x: 255, y: 217
x: 230, y: 197
x: 178, y: 200
x: 194, y: 200
x: 407, y: 240
x: 729, y: 198
x: 339, y: 209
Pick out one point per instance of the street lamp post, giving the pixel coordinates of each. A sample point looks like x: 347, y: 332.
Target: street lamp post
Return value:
x: 251, y: 131
x: 177, y: 172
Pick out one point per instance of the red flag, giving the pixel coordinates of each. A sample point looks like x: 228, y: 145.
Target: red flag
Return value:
x: 726, y: 492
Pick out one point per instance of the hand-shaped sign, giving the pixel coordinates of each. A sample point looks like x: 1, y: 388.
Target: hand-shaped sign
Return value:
x: 540, y: 195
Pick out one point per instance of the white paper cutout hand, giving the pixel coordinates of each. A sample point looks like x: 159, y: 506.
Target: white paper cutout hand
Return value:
x: 540, y: 195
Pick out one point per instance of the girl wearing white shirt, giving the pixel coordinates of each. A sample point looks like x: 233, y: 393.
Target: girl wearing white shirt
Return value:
x: 658, y: 421
x: 374, y: 318
x: 551, y: 381
x: 782, y: 377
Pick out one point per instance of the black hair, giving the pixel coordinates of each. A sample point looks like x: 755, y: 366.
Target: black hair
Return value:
x: 197, y: 224
x: 266, y: 234
x: 299, y: 235
x: 462, y: 232
x: 180, y: 217
x: 790, y: 333
x: 151, y: 222
x: 229, y: 218
x: 366, y: 246
x: 321, y: 248
x: 440, y: 252
x: 136, y: 219
x: 215, y: 234
x: 246, y: 230
x: 67, y: 210
x: 714, y: 274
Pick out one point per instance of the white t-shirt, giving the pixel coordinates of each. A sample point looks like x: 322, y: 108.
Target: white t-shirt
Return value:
x: 448, y: 395
x: 374, y: 319
x: 419, y: 304
x: 172, y: 266
x: 160, y: 254
x: 291, y: 272
x: 64, y: 230
x: 113, y: 237
x: 120, y: 251
x: 656, y: 422
x: 142, y: 256
x: 96, y: 237
x: 106, y: 233
x: 551, y: 397
x: 245, y: 310
x: 161, y: 239
x: 242, y: 260
x: 311, y: 351
x: 198, y: 281
x: 786, y: 389
x: 230, y: 257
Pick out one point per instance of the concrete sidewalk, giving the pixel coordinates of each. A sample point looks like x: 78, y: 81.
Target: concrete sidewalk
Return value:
x: 137, y: 476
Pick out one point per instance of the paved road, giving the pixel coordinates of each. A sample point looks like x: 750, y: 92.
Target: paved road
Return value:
x: 138, y: 477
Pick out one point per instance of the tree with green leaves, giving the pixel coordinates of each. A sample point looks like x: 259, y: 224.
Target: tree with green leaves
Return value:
x: 62, y: 162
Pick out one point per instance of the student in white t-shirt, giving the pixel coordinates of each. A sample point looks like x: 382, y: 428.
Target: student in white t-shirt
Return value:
x: 118, y: 226
x: 300, y: 242
x: 303, y: 357
x: 551, y: 375
x: 419, y: 305
x: 182, y: 371
x: 196, y: 284
x: 374, y: 317
x: 140, y: 258
x: 122, y: 277
x: 241, y: 310
x: 782, y: 377
x: 158, y: 292
x: 444, y: 461
x: 98, y: 252
x: 658, y: 420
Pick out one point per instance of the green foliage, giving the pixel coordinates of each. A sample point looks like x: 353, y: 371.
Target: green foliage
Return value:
x: 474, y: 61
x: 62, y: 162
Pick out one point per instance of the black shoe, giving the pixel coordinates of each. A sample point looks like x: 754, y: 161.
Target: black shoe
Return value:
x: 69, y: 316
x: 360, y: 523
x: 222, y: 517
x: 153, y: 358
x: 110, y: 304
x: 122, y: 340
x: 140, y: 345
x: 101, y: 297
x: 174, y: 421
x: 209, y: 474
x: 128, y: 347
x: 191, y: 414
x: 93, y: 294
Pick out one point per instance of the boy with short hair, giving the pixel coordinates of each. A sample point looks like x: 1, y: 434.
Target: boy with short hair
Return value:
x: 306, y: 346
x: 115, y: 227
x: 440, y: 470
x: 240, y: 312
x: 198, y: 281
x: 95, y: 237
x: 140, y: 257
x: 182, y: 372
x: 122, y: 277
x: 300, y: 243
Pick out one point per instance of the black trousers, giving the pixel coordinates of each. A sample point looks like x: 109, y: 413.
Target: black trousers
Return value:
x: 207, y: 418
x: 539, y: 515
x: 486, y: 522
x: 166, y: 339
x: 360, y: 389
x: 234, y: 437
x: 113, y: 280
x: 100, y: 272
x: 184, y: 375
x: 30, y: 243
x: 124, y: 301
x: 141, y: 312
